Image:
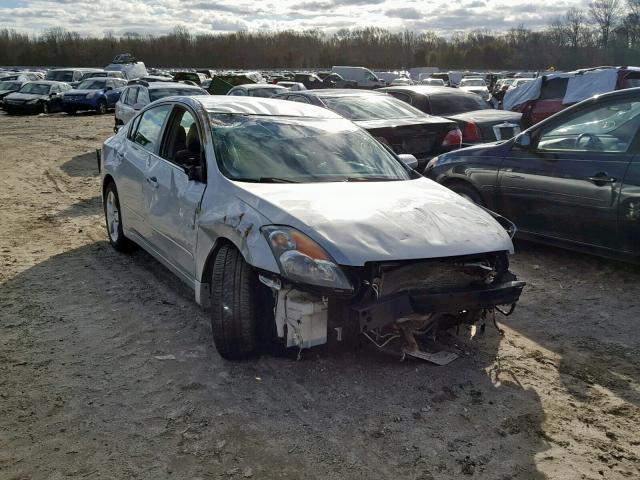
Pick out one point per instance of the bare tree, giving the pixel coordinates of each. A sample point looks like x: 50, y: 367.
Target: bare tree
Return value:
x: 606, y: 14
x: 576, y: 25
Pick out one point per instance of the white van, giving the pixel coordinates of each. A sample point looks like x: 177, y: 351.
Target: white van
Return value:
x: 364, y: 77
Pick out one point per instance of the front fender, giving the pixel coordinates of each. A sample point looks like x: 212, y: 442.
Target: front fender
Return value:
x: 235, y: 222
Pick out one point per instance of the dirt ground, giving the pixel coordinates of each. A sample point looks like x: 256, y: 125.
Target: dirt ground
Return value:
x: 107, y: 368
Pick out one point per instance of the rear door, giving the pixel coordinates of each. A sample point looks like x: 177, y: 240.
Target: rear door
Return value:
x: 567, y: 184
x: 171, y: 198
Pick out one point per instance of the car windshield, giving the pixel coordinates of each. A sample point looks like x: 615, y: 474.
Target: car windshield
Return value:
x: 299, y: 150
x: 265, y: 92
x: 94, y: 75
x: 60, y: 75
x: 156, y: 93
x: 35, y: 88
x: 472, y: 83
x: 10, y: 85
x: 93, y: 84
x: 454, y: 104
x: 371, y: 107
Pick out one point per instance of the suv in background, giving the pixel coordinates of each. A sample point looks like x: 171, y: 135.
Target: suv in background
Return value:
x: 72, y: 76
x: 135, y: 97
x: 99, y: 94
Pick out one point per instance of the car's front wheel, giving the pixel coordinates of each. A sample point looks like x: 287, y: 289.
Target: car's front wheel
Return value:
x: 45, y: 107
x: 234, y: 295
x: 113, y: 219
x: 467, y: 191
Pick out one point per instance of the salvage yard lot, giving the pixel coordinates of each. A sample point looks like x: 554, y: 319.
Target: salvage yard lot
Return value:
x: 107, y: 368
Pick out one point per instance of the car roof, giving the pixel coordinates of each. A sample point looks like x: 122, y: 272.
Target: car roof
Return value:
x: 154, y: 85
x: 428, y: 90
x: 258, y: 106
x: 340, y: 92
x: 48, y: 82
x: 253, y: 86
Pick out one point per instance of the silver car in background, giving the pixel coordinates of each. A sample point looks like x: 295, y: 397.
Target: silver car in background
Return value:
x: 295, y: 227
x: 140, y: 94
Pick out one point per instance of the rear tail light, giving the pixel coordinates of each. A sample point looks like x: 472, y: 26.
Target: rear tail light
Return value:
x: 471, y: 133
x: 453, y: 139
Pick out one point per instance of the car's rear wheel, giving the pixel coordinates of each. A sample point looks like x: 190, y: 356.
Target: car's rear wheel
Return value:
x: 467, y: 191
x: 45, y: 107
x: 113, y: 219
x: 102, y: 107
x: 234, y: 309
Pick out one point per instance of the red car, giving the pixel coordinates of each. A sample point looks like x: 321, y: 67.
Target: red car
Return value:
x: 550, y: 94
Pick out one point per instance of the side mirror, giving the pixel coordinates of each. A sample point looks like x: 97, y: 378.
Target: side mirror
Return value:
x: 51, y: 95
x: 138, y: 106
x: 524, y: 140
x: 408, y: 159
x: 194, y: 172
x: 106, y: 89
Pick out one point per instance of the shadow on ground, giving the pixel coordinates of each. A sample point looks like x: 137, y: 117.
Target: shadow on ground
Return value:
x: 107, y: 366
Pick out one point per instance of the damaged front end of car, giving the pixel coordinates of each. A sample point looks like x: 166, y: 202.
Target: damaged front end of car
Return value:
x: 390, y: 303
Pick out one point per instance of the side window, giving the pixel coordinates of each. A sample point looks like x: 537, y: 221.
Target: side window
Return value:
x: 55, y: 89
x: 143, y: 96
x: 607, y: 128
x: 77, y: 75
x: 401, y: 96
x: 183, y: 142
x: 133, y: 127
x: 298, y: 98
x: 149, y: 131
x: 132, y: 95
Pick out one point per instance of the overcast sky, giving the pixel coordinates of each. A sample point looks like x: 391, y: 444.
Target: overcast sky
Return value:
x: 95, y: 17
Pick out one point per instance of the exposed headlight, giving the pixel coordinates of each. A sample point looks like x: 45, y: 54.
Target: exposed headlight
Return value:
x: 91, y: 94
x: 302, y: 260
x: 432, y: 163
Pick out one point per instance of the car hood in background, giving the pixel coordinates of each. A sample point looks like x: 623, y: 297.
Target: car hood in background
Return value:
x: 488, y: 115
x: 83, y: 92
x: 25, y: 96
x: 358, y: 222
x: 399, y: 122
x: 474, y: 89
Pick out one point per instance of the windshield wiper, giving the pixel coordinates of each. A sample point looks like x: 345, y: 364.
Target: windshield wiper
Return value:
x: 275, y: 180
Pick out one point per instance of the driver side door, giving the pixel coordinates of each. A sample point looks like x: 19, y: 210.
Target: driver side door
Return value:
x: 566, y: 184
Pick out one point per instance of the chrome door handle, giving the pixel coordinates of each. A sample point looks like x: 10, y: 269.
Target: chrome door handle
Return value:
x: 602, y: 178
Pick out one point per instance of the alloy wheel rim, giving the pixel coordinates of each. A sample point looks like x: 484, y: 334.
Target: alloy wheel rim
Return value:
x: 113, y: 216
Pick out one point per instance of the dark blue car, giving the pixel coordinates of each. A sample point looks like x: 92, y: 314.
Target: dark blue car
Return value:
x: 99, y: 94
x: 572, y: 180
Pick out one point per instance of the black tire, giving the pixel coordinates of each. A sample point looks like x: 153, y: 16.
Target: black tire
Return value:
x: 102, y: 107
x: 116, y: 235
x: 234, y: 291
x: 71, y: 111
x: 46, y: 109
x: 467, y: 191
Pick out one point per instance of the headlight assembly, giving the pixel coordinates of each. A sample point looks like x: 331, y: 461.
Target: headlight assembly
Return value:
x: 302, y: 260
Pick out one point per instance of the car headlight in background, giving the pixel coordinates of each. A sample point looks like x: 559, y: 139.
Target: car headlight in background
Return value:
x: 302, y: 260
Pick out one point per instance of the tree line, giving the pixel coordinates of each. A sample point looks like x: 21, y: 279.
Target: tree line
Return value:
x: 605, y: 33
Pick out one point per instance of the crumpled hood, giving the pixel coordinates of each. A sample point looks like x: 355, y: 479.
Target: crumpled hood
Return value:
x: 358, y: 222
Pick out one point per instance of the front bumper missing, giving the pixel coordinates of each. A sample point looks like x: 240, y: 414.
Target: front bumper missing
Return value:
x: 386, y: 310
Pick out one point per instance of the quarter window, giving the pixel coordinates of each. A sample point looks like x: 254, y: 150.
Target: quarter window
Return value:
x: 148, y: 133
x: 608, y: 128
